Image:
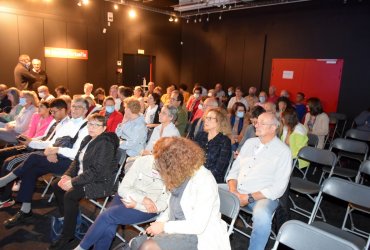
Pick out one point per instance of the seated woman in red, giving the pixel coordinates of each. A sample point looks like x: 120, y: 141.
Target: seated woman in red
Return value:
x: 113, y: 116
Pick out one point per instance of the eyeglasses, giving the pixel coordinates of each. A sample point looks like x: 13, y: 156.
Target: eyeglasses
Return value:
x: 208, y: 118
x: 94, y: 125
x: 53, y: 111
x: 76, y: 107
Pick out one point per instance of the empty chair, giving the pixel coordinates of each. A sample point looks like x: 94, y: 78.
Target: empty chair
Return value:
x: 302, y: 185
x: 360, y: 135
x: 338, y: 124
x: 346, y: 146
x: 229, y: 206
x: 299, y: 235
x: 313, y: 140
x: 347, y: 191
x: 364, y: 169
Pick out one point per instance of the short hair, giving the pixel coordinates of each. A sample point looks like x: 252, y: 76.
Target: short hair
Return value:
x: 33, y: 96
x: 88, y: 84
x: 99, y: 118
x: 15, y: 93
x: 180, y: 97
x: 290, y: 117
x: 222, y: 120
x: 83, y: 101
x: 36, y: 61
x: 109, y: 98
x: 183, y: 86
x: 172, y: 112
x: 23, y: 57
x: 99, y: 91
x: 236, y: 106
x: 133, y: 104
x: 44, y: 103
x: 177, y: 159
x: 125, y: 91
x: 58, y: 103
x: 67, y: 99
x: 257, y: 111
x: 158, y: 89
x: 315, y: 106
x: 197, y: 88
x: 89, y: 100
x: 113, y: 87
x: 139, y: 89
x: 156, y: 97
x: 62, y: 90
x: 43, y: 87
x: 301, y: 94
x: 213, y: 101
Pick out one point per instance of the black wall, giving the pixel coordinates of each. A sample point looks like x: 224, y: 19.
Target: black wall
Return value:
x: 238, y: 50
x: 26, y: 27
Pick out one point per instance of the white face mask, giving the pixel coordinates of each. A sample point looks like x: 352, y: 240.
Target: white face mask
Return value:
x: 200, y: 106
x: 196, y: 95
x: 262, y: 99
x: 41, y: 95
x: 209, y: 94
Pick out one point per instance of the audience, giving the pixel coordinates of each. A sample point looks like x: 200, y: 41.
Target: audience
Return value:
x: 283, y: 103
x: 61, y: 90
x: 256, y: 182
x: 5, y: 104
x: 194, y: 101
x: 237, y: 98
x: 99, y: 94
x: 165, y: 99
x: 39, y: 121
x: 23, y: 78
x: 262, y: 99
x: 192, y: 219
x: 91, y: 175
x: 44, y: 94
x: 132, y: 131
x: 316, y: 120
x: 362, y: 121
x: 151, y: 87
x: 215, y: 142
x: 113, y: 92
x: 123, y: 93
x: 13, y: 95
x: 151, y: 115
x: 251, y: 98
x: 300, y: 106
x: 272, y: 94
x: 177, y: 101
x: 239, y: 121
x: 183, y: 90
x: 88, y: 88
x: 111, y: 114
x: 41, y: 78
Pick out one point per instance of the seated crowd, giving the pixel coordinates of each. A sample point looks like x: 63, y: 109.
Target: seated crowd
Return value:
x: 77, y: 139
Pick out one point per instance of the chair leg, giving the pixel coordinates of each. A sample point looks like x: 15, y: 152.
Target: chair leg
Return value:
x: 47, y: 186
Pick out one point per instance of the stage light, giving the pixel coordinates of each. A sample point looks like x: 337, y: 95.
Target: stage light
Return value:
x: 132, y: 13
x: 116, y: 6
x: 170, y: 19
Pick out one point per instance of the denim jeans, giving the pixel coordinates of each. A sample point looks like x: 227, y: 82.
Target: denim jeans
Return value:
x: 262, y: 218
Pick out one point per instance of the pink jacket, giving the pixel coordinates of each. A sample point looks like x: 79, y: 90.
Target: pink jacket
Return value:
x: 38, y: 125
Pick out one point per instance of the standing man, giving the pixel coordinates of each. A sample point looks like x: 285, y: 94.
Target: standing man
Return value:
x: 39, y: 74
x: 177, y: 101
x: 260, y: 176
x: 23, y: 78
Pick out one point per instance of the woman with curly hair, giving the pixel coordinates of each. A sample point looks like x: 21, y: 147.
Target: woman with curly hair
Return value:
x: 215, y: 142
x: 192, y: 219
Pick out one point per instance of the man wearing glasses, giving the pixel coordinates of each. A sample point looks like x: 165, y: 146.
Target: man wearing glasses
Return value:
x: 53, y: 160
x: 260, y: 175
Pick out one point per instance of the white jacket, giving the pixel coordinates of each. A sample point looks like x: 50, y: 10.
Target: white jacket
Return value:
x: 200, y: 203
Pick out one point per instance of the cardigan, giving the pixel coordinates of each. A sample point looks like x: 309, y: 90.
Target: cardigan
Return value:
x: 320, y: 127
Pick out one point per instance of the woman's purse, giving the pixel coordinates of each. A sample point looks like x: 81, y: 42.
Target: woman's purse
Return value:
x: 67, y: 141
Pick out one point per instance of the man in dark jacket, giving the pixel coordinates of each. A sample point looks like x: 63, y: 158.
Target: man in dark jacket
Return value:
x: 22, y: 75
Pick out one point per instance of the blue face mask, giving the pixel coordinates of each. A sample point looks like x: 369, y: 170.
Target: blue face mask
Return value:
x: 109, y: 109
x: 240, y: 114
x: 262, y: 99
x: 230, y: 93
x: 22, y: 101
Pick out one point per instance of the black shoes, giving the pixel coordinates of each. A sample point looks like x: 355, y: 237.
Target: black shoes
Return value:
x: 19, y: 218
x: 62, y: 244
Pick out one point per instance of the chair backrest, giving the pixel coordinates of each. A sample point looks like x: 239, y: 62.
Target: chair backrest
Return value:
x: 121, y: 157
x: 349, y: 145
x: 316, y: 155
x: 299, y: 235
x: 313, y: 140
x: 229, y: 206
x: 338, y: 116
x: 358, y: 135
x: 364, y: 169
x: 229, y: 166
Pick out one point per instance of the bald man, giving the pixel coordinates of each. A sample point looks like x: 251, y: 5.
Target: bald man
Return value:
x: 23, y: 78
x: 260, y: 175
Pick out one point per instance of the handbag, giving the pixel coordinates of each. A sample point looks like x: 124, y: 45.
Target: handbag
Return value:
x: 67, y: 141
x: 57, y: 227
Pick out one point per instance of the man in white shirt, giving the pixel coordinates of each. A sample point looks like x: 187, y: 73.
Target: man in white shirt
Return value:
x: 260, y: 176
x: 237, y: 98
x: 53, y: 160
x: 88, y: 88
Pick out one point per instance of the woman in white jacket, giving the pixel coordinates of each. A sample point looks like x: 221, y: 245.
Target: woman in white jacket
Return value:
x: 192, y: 219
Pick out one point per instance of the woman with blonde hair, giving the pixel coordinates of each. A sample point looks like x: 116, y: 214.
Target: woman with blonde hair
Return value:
x: 29, y: 101
x: 215, y: 142
x: 192, y: 219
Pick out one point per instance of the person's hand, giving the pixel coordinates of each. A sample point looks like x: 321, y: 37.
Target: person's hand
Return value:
x: 155, y: 228
x: 25, y: 140
x: 65, y: 183
x: 146, y: 152
x: 10, y: 126
x: 51, y: 151
x: 129, y: 202
x: 52, y: 158
x: 149, y: 205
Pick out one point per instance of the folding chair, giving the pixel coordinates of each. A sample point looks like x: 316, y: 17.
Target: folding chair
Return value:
x: 347, y: 191
x: 302, y: 185
x: 337, y: 122
x: 299, y: 235
x: 364, y: 169
x: 229, y: 166
x: 360, y: 135
x: 313, y: 140
x: 360, y: 149
x: 229, y: 206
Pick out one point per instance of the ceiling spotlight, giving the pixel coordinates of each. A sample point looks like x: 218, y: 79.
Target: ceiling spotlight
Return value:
x: 220, y: 17
x: 195, y: 20
x: 132, y: 13
x: 85, y: 2
x: 207, y: 18
x: 200, y: 19
x: 176, y: 19
x: 170, y: 19
x: 79, y: 3
x: 115, y: 6
x: 187, y: 20
x: 229, y: 7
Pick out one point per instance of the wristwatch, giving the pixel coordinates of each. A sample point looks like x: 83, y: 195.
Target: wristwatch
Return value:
x: 250, y: 198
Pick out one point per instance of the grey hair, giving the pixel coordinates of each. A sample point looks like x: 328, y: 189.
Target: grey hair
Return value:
x: 82, y: 101
x: 172, y: 112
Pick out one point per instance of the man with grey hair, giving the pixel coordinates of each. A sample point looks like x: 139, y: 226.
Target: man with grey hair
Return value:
x: 197, y: 124
x: 23, y: 78
x: 39, y: 73
x: 251, y: 98
x: 259, y: 177
x: 44, y: 93
x: 56, y: 158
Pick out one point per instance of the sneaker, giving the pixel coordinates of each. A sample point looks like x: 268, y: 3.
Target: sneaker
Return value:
x: 16, y: 186
x: 7, y: 203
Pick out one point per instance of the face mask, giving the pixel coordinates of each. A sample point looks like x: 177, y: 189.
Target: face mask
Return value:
x: 200, y: 106
x: 28, y: 65
x: 42, y: 95
x: 196, y: 95
x: 240, y: 114
x: 22, y: 101
x: 262, y: 99
x: 109, y: 109
x: 229, y: 93
x: 210, y: 94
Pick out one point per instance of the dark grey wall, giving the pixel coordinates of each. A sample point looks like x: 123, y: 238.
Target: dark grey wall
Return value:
x: 29, y: 26
x: 238, y: 50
